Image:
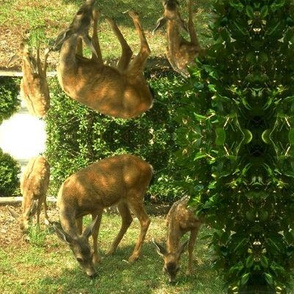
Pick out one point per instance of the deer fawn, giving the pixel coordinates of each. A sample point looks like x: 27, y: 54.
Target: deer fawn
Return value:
x: 121, y: 180
x: 180, y: 52
x: 180, y: 220
x: 33, y: 88
x: 33, y: 185
x: 120, y: 91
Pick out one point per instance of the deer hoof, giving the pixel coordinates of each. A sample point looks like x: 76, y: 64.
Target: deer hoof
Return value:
x: 133, y: 258
x: 133, y: 14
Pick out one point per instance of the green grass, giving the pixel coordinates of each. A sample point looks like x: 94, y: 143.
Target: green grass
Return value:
x: 42, y: 20
x: 49, y: 266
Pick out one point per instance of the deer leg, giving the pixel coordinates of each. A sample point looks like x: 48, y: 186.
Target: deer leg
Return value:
x: 95, y: 256
x: 191, y: 245
x: 45, y: 212
x: 137, y: 64
x: 127, y: 52
x: 95, y: 40
x: 139, y: 211
x: 191, y: 26
x: 126, y: 222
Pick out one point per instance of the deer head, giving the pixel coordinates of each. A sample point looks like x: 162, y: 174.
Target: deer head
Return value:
x: 171, y: 259
x: 80, y: 247
x: 79, y: 26
x: 171, y: 13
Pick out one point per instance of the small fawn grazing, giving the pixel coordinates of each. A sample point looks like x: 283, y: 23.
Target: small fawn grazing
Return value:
x: 120, y: 91
x: 33, y: 186
x: 180, y: 220
x: 180, y: 52
x: 119, y: 180
x: 34, y: 88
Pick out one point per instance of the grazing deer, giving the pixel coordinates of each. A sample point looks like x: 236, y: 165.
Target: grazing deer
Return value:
x: 121, y: 180
x: 120, y: 91
x: 33, y: 186
x: 180, y: 220
x: 34, y: 88
x: 180, y: 52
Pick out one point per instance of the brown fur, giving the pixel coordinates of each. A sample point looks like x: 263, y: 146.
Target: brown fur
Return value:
x: 180, y: 52
x: 120, y: 180
x: 120, y: 91
x: 33, y: 185
x: 180, y: 220
x: 33, y: 88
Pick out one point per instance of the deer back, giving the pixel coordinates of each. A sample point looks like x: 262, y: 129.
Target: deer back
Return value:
x: 104, y: 183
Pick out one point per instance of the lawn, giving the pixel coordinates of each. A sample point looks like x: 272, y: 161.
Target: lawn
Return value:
x: 40, y: 21
x: 44, y: 264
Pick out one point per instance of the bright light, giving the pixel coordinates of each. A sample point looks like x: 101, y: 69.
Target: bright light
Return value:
x: 23, y: 136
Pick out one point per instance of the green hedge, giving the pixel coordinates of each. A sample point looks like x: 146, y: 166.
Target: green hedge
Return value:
x: 77, y: 136
x: 9, y: 104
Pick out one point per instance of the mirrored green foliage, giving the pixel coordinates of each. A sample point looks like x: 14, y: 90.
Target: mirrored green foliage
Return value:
x: 236, y: 138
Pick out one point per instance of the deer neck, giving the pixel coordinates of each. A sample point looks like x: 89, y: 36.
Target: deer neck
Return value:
x: 173, y: 238
x: 173, y: 35
x: 68, y: 52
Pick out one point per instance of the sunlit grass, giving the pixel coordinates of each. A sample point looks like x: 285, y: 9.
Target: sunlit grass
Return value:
x: 48, y: 266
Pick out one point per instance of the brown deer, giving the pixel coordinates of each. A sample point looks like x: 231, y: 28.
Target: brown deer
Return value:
x: 34, y: 88
x: 120, y: 180
x: 180, y: 52
x: 180, y: 220
x: 120, y: 91
x: 33, y: 186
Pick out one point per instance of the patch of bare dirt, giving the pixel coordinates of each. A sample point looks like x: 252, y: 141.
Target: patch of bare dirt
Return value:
x: 12, y: 236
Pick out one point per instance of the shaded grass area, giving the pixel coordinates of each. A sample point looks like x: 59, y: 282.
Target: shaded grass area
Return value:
x: 46, y: 265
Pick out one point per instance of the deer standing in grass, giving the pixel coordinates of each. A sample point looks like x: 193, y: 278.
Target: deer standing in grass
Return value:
x: 180, y: 52
x: 34, y: 88
x: 119, y: 180
x: 33, y: 186
x: 120, y: 91
x: 180, y: 220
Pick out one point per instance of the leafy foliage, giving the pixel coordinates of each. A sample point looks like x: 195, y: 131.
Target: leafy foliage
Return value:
x: 9, y: 102
x: 9, y: 171
x: 236, y: 138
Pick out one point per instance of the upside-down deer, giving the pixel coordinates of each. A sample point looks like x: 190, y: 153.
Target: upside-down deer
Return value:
x: 34, y: 88
x: 180, y: 220
x: 120, y: 91
x: 179, y: 52
x: 120, y: 180
x: 33, y: 186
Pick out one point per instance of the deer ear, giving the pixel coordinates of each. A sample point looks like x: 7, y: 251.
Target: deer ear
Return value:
x: 160, y: 249
x: 62, y: 235
x: 161, y: 22
x: 89, y: 229
x: 182, y: 248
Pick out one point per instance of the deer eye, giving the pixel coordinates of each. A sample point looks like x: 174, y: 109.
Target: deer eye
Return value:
x: 80, y: 260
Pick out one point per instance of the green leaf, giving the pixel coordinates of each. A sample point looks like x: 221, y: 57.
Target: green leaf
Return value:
x: 250, y: 12
x: 264, y: 11
x: 269, y: 278
x: 249, y: 261
x: 244, y: 279
x: 220, y: 136
x: 264, y: 261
